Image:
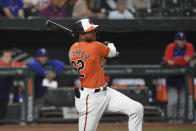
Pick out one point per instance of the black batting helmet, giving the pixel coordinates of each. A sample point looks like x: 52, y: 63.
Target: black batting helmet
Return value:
x: 83, y: 26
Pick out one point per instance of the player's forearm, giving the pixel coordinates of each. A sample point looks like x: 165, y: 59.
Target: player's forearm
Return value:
x: 112, y: 51
x: 8, y: 13
x: 21, y: 14
x: 59, y: 67
x: 180, y: 62
x: 38, y: 69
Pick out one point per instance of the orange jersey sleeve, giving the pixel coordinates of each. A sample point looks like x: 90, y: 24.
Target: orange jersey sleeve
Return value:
x: 85, y: 58
x: 102, y: 50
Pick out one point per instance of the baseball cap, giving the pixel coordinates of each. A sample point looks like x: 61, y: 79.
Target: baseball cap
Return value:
x: 41, y: 52
x: 180, y: 36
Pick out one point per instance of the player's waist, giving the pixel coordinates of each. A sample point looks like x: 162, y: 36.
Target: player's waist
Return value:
x: 94, y: 90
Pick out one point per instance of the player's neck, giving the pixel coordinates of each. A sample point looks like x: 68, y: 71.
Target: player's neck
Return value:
x: 88, y: 41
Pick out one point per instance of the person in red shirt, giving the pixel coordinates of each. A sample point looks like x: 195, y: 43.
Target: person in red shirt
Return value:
x: 6, y: 59
x: 178, y: 53
x: 6, y: 82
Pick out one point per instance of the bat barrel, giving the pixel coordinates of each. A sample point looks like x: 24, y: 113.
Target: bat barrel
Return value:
x: 57, y: 27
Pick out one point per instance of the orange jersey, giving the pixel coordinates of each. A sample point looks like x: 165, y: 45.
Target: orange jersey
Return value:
x: 85, y: 58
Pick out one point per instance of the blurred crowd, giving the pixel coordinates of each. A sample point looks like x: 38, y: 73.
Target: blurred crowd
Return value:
x: 112, y: 9
x: 66, y: 9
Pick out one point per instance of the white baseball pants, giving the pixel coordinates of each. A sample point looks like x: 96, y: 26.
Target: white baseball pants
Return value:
x: 91, y: 107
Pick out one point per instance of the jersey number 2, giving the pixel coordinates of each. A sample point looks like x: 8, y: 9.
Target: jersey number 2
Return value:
x: 79, y: 65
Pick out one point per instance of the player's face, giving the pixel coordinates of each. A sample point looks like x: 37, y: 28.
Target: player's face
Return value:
x: 42, y: 59
x: 180, y: 43
x: 88, y: 37
x: 6, y: 58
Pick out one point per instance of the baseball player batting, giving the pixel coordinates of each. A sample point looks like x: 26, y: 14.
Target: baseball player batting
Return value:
x: 94, y: 98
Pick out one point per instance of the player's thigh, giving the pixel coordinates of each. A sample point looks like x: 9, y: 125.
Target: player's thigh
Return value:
x: 182, y: 97
x: 90, y: 115
x: 172, y: 95
x: 121, y: 103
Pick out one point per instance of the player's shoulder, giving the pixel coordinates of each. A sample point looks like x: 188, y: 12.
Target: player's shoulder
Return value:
x: 33, y: 62
x: 74, y: 45
x: 98, y: 44
x: 188, y: 44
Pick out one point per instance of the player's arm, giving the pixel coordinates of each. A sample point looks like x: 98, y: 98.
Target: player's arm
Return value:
x: 181, y: 61
x: 5, y: 4
x: 37, y: 68
x: 107, y: 51
x: 186, y: 59
x: 112, y: 51
x: 169, y: 53
x: 21, y: 10
x: 21, y: 14
x: 189, y: 54
x: 8, y: 13
x: 58, y: 65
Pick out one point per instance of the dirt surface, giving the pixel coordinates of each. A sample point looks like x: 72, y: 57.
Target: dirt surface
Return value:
x: 112, y: 127
x: 169, y: 126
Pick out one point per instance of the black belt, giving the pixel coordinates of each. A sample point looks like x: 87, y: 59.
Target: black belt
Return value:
x: 96, y: 90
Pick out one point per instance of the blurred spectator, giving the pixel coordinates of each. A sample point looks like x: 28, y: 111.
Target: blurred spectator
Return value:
x: 140, y: 4
x: 13, y: 8
x: 38, y: 65
x: 37, y: 4
x: 33, y: 8
x: 82, y: 9
x: 129, y: 5
x: 142, y: 7
x: 54, y: 10
x: 6, y: 82
x: 121, y: 12
x: 69, y: 7
x: 178, y: 53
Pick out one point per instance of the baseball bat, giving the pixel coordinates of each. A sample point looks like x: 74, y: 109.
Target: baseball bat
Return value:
x: 57, y: 27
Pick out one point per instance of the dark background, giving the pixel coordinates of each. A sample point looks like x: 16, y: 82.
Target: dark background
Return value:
x: 135, y: 47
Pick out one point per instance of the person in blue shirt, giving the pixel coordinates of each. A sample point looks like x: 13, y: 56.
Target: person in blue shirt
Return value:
x: 13, y: 8
x: 38, y: 65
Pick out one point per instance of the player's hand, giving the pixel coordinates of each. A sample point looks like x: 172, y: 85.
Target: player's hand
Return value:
x: 51, y: 76
x: 117, y: 53
x: 103, y: 62
x: 187, y: 58
x: 170, y: 62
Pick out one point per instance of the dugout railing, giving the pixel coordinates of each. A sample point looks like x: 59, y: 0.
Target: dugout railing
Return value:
x: 124, y: 70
